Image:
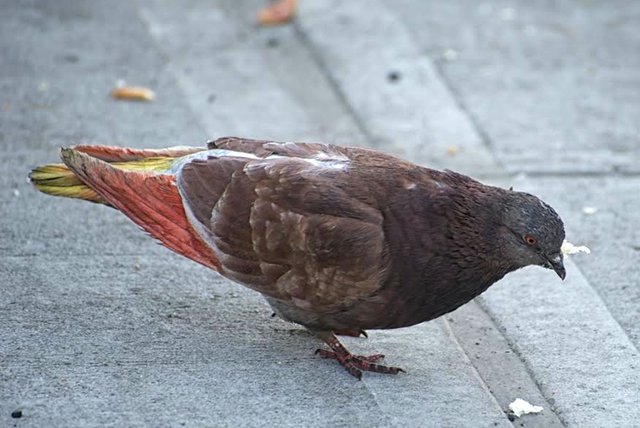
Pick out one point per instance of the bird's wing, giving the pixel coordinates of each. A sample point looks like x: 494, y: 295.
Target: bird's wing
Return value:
x: 264, y: 148
x: 294, y: 227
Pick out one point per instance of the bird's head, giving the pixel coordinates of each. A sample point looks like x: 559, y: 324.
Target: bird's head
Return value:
x: 532, y: 232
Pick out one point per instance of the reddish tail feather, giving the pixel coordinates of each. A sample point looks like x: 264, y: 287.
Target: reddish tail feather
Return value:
x: 151, y: 200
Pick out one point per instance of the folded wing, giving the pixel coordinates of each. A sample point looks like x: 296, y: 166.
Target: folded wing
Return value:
x: 283, y: 220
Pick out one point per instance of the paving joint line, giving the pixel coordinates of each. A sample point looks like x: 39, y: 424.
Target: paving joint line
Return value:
x: 476, y: 372
x: 604, y: 303
x: 514, y: 348
x: 457, y: 98
x: 334, y: 85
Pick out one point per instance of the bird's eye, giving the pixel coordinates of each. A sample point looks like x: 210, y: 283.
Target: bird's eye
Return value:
x: 529, y: 239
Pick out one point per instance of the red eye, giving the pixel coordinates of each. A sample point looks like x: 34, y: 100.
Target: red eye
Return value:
x: 529, y: 239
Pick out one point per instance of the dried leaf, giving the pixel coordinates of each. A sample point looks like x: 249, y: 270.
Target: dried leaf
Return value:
x: 452, y: 150
x: 133, y: 93
x: 278, y: 13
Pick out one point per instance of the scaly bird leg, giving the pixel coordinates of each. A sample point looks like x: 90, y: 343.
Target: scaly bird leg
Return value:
x: 354, y: 364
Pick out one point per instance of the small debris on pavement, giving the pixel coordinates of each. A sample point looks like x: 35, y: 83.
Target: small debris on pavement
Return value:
x: 589, y: 210
x: 568, y: 248
x: 450, y: 55
x: 273, y: 42
x: 521, y: 407
x: 393, y: 76
x: 508, y: 14
x: 133, y: 93
x: 16, y: 192
x: 278, y: 13
x: 452, y: 151
x: 16, y: 414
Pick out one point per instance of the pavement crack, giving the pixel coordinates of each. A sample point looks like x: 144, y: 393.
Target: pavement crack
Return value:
x: 523, y: 362
x: 457, y: 98
x: 476, y: 372
x: 334, y: 85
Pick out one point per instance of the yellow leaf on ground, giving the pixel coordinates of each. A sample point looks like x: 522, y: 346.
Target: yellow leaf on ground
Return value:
x: 452, y: 151
x: 133, y: 93
x: 278, y: 13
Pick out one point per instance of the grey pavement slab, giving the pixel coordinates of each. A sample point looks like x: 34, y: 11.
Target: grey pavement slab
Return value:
x: 554, y: 86
x: 244, y: 80
x: 499, y: 366
x: 157, y: 339
x: 392, y: 86
x: 60, y: 62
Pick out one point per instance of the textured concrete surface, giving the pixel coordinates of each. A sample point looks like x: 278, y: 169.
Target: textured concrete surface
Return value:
x: 99, y: 326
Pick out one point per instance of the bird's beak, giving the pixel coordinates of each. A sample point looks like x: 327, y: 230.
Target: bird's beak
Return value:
x: 555, y: 263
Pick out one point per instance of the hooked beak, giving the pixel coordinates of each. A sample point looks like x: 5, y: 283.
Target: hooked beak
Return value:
x: 555, y: 263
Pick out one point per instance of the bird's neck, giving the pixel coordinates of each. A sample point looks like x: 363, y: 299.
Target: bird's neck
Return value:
x: 446, y: 250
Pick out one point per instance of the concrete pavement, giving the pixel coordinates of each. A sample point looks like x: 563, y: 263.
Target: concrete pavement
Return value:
x: 100, y: 326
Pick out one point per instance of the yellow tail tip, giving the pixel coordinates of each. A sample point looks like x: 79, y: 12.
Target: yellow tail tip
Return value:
x: 58, y: 180
x: 61, y: 179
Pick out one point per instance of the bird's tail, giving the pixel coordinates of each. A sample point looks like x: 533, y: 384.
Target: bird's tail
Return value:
x: 137, y: 182
x: 58, y: 180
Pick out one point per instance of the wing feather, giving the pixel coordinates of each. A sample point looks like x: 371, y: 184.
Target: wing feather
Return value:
x: 286, y: 223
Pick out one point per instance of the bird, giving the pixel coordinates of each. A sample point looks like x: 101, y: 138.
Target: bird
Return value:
x: 337, y: 239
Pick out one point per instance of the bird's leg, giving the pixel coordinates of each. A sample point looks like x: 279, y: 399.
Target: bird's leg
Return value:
x: 354, y: 364
x: 332, y: 356
x: 352, y: 332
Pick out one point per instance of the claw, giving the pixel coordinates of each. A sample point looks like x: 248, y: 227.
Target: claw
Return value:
x: 333, y: 356
x: 354, y: 364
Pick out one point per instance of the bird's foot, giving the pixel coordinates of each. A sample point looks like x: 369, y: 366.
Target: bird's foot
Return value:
x: 353, y: 332
x: 333, y: 356
x: 354, y: 364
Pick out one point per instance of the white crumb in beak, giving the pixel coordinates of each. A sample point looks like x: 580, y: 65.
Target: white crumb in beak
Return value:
x: 521, y: 407
x: 568, y: 248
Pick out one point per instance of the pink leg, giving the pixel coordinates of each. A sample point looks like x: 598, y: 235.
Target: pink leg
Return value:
x: 354, y: 364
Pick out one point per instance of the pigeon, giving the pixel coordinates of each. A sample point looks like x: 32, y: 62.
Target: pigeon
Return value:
x: 337, y: 239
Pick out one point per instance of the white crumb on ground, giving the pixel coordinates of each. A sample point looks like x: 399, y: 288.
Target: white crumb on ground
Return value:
x: 589, y: 210
x: 450, y: 54
x: 521, y: 407
x: 568, y: 248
